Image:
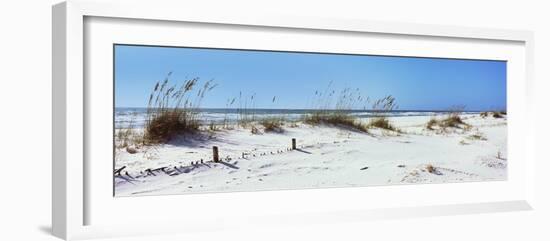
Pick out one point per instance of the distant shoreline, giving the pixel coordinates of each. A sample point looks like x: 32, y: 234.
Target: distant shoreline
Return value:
x: 313, y: 110
x: 138, y: 116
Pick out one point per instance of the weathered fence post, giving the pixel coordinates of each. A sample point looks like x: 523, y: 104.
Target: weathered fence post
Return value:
x: 293, y: 143
x: 215, y: 153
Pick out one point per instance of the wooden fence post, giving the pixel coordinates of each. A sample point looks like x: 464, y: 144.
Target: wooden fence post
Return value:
x: 293, y: 143
x: 215, y: 153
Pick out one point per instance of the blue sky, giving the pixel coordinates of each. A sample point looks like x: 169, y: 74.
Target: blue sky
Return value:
x: 416, y: 83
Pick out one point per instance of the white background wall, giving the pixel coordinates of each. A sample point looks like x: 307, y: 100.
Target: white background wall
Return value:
x: 25, y: 119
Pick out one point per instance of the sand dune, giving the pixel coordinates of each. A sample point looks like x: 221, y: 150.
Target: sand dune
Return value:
x: 327, y: 156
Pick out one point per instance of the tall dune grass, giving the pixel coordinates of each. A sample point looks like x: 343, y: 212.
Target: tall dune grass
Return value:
x: 335, y: 108
x: 273, y: 123
x: 451, y: 120
x: 246, y: 109
x: 128, y: 136
x: 381, y: 108
x: 172, y: 109
x: 336, y: 118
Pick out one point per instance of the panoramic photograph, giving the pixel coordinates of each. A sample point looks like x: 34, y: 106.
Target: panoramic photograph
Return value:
x: 202, y: 120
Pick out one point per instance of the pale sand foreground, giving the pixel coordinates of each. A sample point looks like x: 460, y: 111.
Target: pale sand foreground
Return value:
x: 327, y: 157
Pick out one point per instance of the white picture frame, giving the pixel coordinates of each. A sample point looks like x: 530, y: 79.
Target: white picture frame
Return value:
x: 74, y: 200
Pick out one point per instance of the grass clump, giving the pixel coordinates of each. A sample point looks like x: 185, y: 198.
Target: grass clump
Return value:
x: 128, y: 136
x: 494, y: 114
x: 254, y: 130
x: 272, y: 124
x: 246, y: 109
x: 452, y: 120
x: 497, y: 115
x: 382, y: 123
x: 381, y: 107
x: 125, y: 137
x: 166, y: 125
x: 432, y: 123
x: 213, y: 127
x: 335, y: 108
x: 172, y: 110
x: 336, y: 119
x: 430, y: 168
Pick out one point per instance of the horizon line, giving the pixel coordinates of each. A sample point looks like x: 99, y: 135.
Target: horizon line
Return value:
x: 402, y: 110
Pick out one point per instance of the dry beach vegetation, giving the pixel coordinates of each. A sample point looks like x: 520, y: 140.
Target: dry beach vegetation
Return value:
x: 255, y: 152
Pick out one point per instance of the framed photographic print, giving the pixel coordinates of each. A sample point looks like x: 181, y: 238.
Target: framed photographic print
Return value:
x: 253, y: 126
x: 261, y: 119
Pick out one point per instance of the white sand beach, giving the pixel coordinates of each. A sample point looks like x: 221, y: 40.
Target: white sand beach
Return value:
x: 326, y: 156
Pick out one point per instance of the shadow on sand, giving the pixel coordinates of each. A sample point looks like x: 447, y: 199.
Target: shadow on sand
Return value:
x: 46, y: 229
x: 193, y: 140
x: 228, y: 164
x: 300, y: 150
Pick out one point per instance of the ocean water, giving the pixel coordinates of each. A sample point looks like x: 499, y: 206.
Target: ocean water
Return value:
x: 136, y: 117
